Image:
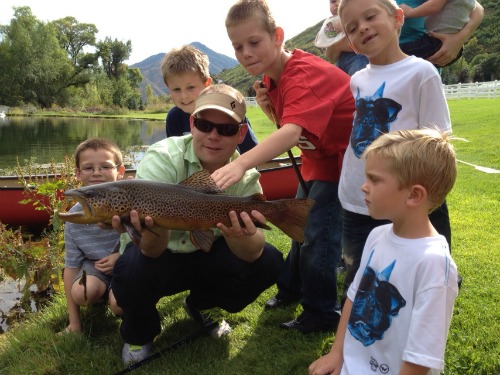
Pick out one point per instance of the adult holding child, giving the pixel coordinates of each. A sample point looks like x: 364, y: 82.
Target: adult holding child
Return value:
x: 313, y: 106
x: 436, y: 30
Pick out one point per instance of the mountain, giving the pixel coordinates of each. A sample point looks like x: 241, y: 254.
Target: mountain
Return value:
x: 150, y: 68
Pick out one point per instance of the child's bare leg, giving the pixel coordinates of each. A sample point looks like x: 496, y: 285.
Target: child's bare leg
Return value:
x: 88, y: 294
x: 113, y: 305
x: 73, y: 308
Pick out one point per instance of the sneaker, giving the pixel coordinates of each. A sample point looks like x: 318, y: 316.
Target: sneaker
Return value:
x: 306, y: 323
x: 210, y: 319
x: 277, y: 302
x: 135, y: 353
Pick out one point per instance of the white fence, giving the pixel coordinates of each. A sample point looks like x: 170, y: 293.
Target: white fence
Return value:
x: 250, y: 101
x: 458, y: 91
x: 472, y: 90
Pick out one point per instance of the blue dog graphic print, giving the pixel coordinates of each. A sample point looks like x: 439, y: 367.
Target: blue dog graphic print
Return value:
x: 372, y: 118
x: 377, y: 301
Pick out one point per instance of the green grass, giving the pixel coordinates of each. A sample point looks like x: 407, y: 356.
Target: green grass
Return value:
x: 257, y: 345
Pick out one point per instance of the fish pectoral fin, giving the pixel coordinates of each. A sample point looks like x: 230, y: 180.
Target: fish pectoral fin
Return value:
x: 132, y: 232
x: 202, y: 239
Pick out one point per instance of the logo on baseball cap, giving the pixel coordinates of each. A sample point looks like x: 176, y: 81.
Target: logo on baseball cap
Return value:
x: 224, y: 102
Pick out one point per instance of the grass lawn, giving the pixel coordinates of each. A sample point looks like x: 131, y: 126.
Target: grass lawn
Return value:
x: 257, y: 345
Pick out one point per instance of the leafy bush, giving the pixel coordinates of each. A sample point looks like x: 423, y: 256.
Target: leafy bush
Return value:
x: 39, y: 262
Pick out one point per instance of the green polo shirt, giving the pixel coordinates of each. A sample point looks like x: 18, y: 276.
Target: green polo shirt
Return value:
x: 172, y: 160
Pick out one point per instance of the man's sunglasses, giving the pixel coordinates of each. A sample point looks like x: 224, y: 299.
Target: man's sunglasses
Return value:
x: 226, y: 130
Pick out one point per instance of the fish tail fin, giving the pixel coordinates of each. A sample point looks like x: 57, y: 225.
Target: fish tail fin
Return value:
x: 292, y: 218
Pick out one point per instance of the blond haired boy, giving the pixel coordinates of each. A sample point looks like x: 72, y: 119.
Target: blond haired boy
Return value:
x: 399, y: 307
x: 185, y: 71
x: 394, y: 92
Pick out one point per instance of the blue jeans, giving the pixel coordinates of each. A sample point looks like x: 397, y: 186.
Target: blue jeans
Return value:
x: 351, y: 62
x: 310, y: 270
x: 357, y: 227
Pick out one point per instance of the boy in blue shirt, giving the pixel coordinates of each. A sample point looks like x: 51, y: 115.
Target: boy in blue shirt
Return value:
x: 185, y: 72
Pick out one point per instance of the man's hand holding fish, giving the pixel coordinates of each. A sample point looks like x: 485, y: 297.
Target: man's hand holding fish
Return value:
x: 244, y: 240
x: 153, y: 238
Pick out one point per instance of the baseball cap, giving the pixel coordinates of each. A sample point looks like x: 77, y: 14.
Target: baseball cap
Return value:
x: 233, y: 106
x: 327, y: 35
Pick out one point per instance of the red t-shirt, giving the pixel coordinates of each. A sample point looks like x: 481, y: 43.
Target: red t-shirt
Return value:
x: 315, y: 95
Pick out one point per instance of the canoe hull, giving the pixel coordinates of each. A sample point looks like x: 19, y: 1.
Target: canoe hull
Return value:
x: 278, y: 180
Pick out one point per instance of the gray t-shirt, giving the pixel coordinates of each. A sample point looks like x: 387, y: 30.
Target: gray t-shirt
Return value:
x: 86, y: 242
x: 452, y: 18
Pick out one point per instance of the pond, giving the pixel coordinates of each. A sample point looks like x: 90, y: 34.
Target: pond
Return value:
x: 52, y: 138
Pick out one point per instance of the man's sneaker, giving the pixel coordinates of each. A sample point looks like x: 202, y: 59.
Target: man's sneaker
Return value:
x: 306, y: 323
x: 210, y: 319
x: 276, y: 302
x: 135, y: 353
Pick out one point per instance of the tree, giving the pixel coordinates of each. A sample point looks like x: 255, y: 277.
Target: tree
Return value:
x: 149, y: 94
x: 74, y: 36
x: 34, y: 67
x: 113, y: 53
x: 486, y: 66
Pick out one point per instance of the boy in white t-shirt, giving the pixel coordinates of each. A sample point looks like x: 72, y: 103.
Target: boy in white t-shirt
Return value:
x: 399, y: 307
x: 394, y: 92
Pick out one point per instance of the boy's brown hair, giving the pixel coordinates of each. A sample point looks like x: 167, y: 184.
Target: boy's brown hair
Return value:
x: 390, y: 5
x: 98, y: 144
x: 246, y: 9
x: 419, y: 157
x: 185, y: 59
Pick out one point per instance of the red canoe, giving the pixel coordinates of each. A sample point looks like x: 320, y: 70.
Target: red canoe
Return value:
x: 278, y: 180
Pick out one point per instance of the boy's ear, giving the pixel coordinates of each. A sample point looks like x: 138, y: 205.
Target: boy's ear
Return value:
x: 279, y: 35
x: 121, y: 172
x: 418, y: 195
x: 208, y: 82
x: 400, y: 17
x: 77, y: 173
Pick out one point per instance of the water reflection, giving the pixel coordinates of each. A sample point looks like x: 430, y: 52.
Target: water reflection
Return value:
x: 50, y: 139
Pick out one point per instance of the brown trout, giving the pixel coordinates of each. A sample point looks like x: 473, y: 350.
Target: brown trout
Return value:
x: 195, y: 204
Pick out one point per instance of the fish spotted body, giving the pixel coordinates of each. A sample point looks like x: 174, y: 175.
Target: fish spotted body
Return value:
x: 196, y: 205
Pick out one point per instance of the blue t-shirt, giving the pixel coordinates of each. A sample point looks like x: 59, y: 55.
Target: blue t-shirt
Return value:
x: 413, y: 28
x: 177, y: 124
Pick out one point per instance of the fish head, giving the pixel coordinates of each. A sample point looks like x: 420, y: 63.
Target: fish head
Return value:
x: 99, y: 202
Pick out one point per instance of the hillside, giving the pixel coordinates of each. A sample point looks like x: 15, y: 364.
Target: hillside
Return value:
x: 484, y: 42
x: 150, y: 68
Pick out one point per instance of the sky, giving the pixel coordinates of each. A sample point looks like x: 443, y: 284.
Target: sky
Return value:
x: 156, y: 26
